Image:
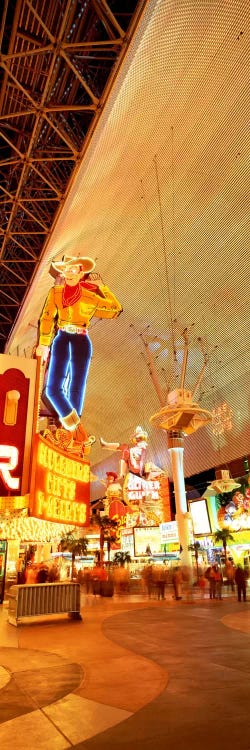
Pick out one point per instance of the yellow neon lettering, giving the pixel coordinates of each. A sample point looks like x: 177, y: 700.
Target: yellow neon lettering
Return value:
x: 50, y: 459
x: 40, y: 502
x: 57, y: 485
x: 50, y: 507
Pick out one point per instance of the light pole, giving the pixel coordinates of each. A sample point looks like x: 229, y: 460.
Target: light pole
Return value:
x: 180, y: 417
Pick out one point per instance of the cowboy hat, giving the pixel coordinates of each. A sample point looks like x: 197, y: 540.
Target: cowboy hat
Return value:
x: 139, y: 434
x: 60, y: 266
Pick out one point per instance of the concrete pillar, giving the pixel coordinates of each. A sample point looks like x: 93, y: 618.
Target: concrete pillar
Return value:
x: 176, y: 449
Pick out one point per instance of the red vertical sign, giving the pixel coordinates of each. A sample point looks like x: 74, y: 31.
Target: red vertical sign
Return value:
x: 14, y: 396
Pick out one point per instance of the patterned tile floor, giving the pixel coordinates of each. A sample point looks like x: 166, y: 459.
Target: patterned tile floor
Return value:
x: 134, y: 673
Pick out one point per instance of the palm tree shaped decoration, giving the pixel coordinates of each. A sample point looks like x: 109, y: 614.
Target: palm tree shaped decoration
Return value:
x: 108, y: 528
x: 75, y: 546
x: 196, y: 548
x: 223, y: 536
x: 121, y: 558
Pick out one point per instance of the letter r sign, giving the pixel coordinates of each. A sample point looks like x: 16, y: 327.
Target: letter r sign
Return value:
x: 8, y: 463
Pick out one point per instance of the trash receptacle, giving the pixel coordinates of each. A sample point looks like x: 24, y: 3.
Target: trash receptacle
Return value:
x: 107, y: 588
x: 96, y: 586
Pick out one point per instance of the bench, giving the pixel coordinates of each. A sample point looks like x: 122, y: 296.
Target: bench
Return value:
x: 39, y: 599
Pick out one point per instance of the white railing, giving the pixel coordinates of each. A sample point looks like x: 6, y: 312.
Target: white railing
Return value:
x: 33, y: 600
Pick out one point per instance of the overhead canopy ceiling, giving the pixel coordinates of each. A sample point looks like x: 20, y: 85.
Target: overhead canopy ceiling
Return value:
x: 58, y: 61
x: 161, y: 200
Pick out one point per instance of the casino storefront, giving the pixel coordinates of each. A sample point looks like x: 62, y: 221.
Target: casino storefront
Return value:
x: 231, y: 511
x: 58, y: 502
x: 44, y: 490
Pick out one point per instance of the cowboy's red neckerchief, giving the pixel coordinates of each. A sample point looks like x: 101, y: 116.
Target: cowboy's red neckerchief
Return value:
x: 72, y: 294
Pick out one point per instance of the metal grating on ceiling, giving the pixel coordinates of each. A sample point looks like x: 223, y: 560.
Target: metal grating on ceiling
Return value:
x: 58, y: 61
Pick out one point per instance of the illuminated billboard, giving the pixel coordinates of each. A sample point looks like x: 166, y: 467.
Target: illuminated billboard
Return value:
x: 60, y: 488
x: 151, y: 496
x: 169, y: 532
x: 200, y: 518
x: 127, y: 541
x: 234, y: 514
x: 147, y: 540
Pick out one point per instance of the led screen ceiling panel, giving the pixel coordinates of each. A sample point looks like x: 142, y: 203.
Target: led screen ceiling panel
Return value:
x: 161, y: 202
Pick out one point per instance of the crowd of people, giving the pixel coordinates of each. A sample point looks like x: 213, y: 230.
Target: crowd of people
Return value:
x: 235, y: 577
x: 159, y: 581
x: 39, y: 573
x: 153, y: 580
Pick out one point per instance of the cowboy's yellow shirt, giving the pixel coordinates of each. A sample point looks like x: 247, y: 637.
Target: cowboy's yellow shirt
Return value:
x: 90, y: 304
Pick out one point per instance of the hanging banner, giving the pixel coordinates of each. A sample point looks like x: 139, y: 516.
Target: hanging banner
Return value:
x: 60, y: 485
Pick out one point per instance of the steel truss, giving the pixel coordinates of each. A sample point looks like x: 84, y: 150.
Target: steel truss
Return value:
x: 57, y: 64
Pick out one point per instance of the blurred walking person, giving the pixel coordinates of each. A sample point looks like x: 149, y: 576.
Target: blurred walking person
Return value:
x: 187, y: 582
x: 210, y: 576
x: 241, y: 583
x: 218, y: 582
x: 177, y: 583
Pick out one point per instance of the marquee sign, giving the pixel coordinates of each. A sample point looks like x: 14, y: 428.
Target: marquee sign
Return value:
x: 60, y: 487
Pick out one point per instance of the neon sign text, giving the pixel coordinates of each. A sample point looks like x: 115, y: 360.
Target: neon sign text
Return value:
x: 50, y: 506
x: 121, y: 522
x: 56, y: 485
x: 59, y: 485
x: 54, y: 461
x: 138, y: 489
x: 8, y: 462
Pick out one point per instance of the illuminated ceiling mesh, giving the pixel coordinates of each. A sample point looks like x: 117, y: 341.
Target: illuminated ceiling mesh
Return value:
x: 162, y: 201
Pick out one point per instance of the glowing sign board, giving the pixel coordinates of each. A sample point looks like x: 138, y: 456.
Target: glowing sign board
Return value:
x: 117, y: 511
x: 152, y: 496
x: 199, y: 513
x: 17, y: 396
x: 8, y: 463
x: 235, y: 514
x: 147, y: 540
x: 10, y: 504
x: 169, y: 532
x: 127, y: 541
x: 60, y: 489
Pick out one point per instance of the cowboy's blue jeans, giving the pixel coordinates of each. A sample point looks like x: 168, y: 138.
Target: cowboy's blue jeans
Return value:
x: 68, y: 371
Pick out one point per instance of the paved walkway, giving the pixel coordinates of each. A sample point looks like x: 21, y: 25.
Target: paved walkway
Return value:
x: 135, y: 673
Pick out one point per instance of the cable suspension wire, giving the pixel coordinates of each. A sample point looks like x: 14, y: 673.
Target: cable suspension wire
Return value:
x: 212, y: 386
x: 173, y: 215
x: 154, y: 248
x: 165, y: 259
